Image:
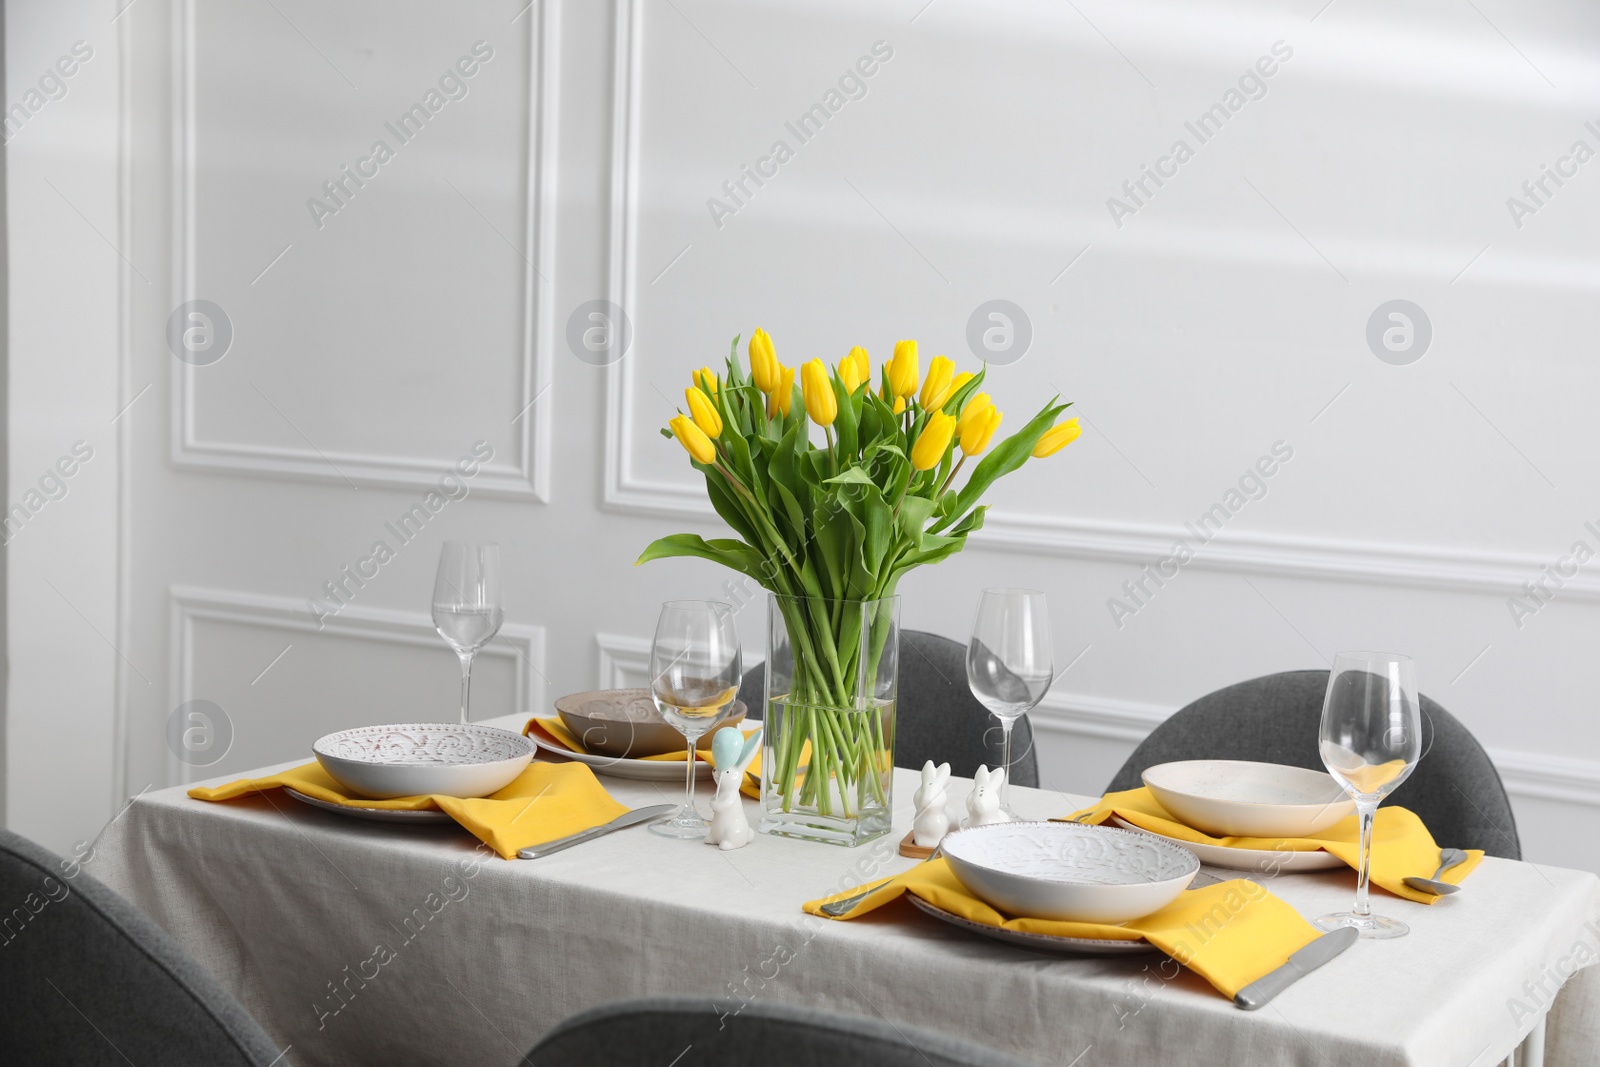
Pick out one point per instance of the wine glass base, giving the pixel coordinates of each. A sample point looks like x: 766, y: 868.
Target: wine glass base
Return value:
x: 1375, y: 927
x: 685, y: 824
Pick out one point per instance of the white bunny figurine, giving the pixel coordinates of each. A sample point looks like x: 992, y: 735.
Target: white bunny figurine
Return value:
x: 731, y: 754
x: 931, y: 823
x: 983, y: 803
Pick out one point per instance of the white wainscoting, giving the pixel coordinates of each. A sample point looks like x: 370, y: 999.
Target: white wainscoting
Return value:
x: 529, y: 475
x: 624, y: 661
x: 522, y: 646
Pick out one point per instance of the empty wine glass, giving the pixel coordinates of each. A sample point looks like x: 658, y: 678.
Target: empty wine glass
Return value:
x: 695, y: 670
x: 1371, y: 739
x: 467, y: 604
x: 1010, y: 662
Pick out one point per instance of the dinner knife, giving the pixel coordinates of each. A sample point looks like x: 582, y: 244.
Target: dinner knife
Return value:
x: 1300, y: 964
x: 621, y: 822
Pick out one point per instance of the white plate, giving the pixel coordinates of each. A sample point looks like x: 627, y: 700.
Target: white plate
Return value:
x: 643, y: 770
x: 1075, y: 946
x: 1243, y: 798
x: 1255, y: 860
x: 640, y: 770
x: 1069, y: 871
x: 393, y: 816
x: 416, y: 759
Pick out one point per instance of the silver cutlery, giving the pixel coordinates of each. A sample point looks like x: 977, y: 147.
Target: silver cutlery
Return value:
x: 1448, y: 858
x: 621, y: 822
x: 1300, y: 964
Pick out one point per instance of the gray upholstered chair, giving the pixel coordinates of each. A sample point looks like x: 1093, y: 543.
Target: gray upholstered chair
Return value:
x: 1275, y: 719
x: 936, y: 716
x: 651, y: 1032
x: 85, y: 979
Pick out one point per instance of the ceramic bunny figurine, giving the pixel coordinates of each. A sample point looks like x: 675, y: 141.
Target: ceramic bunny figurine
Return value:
x: 731, y: 753
x: 931, y: 823
x: 983, y: 803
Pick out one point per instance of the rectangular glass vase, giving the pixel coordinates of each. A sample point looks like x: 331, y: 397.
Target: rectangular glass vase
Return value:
x: 832, y: 674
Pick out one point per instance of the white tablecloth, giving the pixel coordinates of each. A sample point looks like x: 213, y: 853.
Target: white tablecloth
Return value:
x: 366, y: 944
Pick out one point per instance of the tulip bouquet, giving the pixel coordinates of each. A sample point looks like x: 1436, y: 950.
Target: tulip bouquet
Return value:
x: 830, y: 528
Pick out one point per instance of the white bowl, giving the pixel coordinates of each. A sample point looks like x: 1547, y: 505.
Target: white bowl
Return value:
x: 1063, y: 870
x: 417, y: 759
x: 1238, y: 798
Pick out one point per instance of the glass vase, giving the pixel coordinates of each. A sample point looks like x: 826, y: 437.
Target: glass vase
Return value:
x: 827, y: 758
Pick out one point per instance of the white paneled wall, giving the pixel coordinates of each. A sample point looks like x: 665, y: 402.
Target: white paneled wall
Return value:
x: 1210, y: 321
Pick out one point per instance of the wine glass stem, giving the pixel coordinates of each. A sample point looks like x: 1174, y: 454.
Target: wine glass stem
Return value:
x: 688, y: 776
x: 1367, y: 813
x: 1005, y: 753
x: 466, y: 683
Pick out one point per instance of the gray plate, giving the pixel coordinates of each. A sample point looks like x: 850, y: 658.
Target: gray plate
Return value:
x: 388, y: 815
x: 1071, y: 946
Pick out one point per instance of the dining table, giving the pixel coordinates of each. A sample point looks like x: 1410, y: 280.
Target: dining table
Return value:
x: 354, y: 942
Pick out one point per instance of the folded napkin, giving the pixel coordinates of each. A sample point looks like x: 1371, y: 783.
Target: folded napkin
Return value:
x: 546, y: 801
x: 554, y: 732
x: 1401, y: 845
x: 1230, y: 934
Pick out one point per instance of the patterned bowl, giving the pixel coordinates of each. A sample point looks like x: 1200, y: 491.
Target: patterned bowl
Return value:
x: 419, y: 759
x: 1063, y: 870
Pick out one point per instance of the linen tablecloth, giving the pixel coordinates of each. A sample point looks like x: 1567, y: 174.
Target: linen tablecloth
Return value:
x: 358, y: 943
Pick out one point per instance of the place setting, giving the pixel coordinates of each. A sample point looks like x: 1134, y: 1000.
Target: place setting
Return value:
x: 1124, y: 876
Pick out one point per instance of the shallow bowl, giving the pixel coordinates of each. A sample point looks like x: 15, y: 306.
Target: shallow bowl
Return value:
x: 1240, y: 798
x: 626, y: 723
x: 418, y: 759
x: 1058, y: 870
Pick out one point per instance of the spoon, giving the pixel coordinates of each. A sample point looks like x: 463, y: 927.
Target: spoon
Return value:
x: 1448, y: 858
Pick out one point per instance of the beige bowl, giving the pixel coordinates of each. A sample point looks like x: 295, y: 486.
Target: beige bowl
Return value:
x: 1240, y: 798
x: 625, y: 723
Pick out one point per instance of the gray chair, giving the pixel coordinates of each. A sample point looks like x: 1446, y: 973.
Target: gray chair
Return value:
x: 1454, y: 789
x: 936, y: 716
x: 652, y: 1032
x: 86, y: 979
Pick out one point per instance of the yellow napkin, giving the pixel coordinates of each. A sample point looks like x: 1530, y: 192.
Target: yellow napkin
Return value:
x: 1401, y: 845
x: 546, y: 801
x: 555, y: 732
x: 1230, y: 934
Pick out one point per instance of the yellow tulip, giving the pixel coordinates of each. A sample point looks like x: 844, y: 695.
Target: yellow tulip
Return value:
x: 937, y: 386
x: 899, y: 405
x: 706, y: 380
x: 858, y: 356
x: 821, y: 404
x: 903, y: 370
x: 763, y: 362
x: 849, y: 374
x: 975, y: 406
x: 704, y: 412
x: 933, y: 441
x: 979, y: 429
x: 782, y: 398
x: 694, y: 441
x: 1056, y: 438
x: 960, y: 380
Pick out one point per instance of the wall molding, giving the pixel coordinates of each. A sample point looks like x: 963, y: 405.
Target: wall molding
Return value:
x: 622, y: 660
x: 626, y: 492
x: 1534, y: 775
x: 521, y: 643
x: 529, y: 476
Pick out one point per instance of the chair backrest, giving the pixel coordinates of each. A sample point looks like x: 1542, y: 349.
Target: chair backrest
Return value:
x: 936, y: 716
x: 650, y: 1032
x: 1275, y: 719
x: 87, y: 979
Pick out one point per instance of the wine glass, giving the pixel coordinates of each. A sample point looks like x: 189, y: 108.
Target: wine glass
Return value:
x: 1371, y: 739
x: 467, y: 604
x: 1010, y: 662
x: 695, y: 671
